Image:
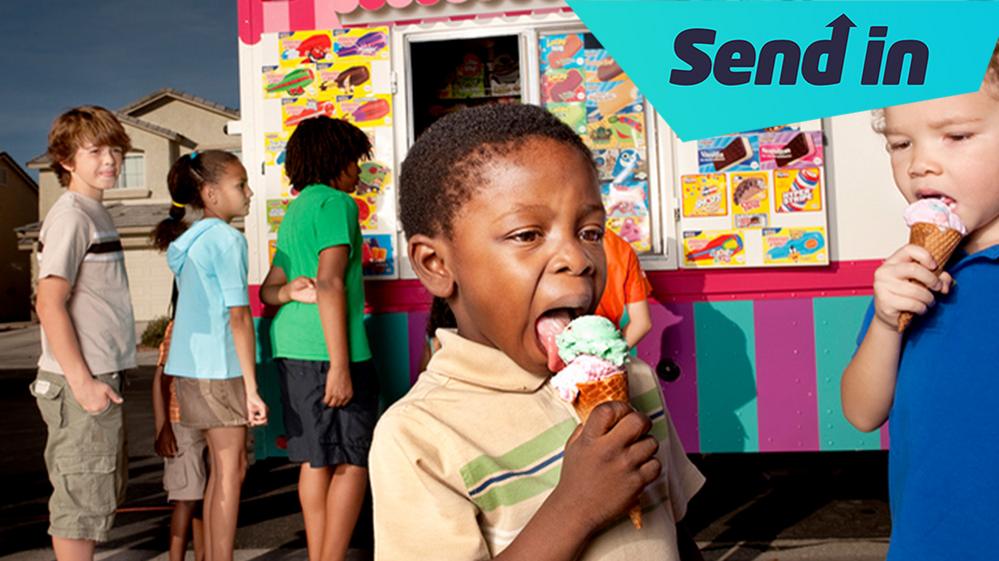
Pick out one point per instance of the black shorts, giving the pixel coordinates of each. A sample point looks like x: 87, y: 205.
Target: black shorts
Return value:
x: 322, y: 435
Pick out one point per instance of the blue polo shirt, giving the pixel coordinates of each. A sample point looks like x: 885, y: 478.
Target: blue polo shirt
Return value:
x: 209, y: 261
x: 943, y: 463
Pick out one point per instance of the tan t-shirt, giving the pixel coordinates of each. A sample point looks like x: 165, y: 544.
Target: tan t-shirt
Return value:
x: 464, y: 460
x: 80, y: 244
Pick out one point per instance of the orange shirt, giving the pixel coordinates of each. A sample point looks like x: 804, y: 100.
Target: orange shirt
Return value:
x: 626, y: 283
x: 172, y: 406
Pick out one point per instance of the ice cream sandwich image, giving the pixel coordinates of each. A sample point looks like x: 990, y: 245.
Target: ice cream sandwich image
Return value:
x: 567, y: 88
x: 353, y: 76
x: 609, y: 71
x: 737, y: 151
x: 799, y: 147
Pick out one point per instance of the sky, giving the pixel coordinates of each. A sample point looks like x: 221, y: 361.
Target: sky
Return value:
x: 62, y: 53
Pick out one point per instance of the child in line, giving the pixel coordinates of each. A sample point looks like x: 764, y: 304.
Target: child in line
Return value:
x: 936, y: 384
x: 482, y: 459
x: 183, y: 453
x: 440, y: 318
x: 88, y: 334
x: 328, y: 382
x: 212, y: 354
x: 627, y: 289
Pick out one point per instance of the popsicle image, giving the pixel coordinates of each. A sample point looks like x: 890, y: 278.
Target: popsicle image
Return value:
x: 594, y: 353
x: 934, y: 226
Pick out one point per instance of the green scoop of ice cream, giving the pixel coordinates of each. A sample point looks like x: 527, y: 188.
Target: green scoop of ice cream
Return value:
x: 593, y: 336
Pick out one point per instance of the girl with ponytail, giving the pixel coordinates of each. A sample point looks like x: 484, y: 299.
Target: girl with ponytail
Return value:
x: 212, y: 354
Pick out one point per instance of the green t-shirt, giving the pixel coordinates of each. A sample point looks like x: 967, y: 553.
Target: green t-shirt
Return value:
x: 319, y: 218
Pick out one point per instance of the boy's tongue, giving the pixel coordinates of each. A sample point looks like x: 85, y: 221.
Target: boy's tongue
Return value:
x: 548, y: 328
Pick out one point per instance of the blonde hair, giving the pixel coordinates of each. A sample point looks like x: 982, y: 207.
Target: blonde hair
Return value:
x: 77, y: 127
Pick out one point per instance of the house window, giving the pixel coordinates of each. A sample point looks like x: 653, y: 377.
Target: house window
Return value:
x: 133, y: 172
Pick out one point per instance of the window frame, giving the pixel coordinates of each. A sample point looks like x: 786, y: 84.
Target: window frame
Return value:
x: 660, y: 139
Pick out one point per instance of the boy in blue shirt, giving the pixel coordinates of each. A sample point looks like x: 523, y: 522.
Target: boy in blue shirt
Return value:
x: 937, y: 383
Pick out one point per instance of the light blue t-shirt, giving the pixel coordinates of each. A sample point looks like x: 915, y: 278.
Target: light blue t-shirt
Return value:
x: 943, y: 463
x: 209, y: 262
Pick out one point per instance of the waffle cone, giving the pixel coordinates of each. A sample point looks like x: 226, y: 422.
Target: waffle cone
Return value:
x: 591, y: 394
x: 941, y: 243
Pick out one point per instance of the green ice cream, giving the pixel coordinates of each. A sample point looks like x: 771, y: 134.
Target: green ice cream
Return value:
x: 593, y: 336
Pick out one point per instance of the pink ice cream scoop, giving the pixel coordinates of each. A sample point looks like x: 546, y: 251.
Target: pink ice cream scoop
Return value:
x: 584, y: 368
x: 933, y: 211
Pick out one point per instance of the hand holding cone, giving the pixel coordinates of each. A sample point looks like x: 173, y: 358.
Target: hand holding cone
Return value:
x: 935, y: 227
x: 591, y: 394
x: 596, y: 353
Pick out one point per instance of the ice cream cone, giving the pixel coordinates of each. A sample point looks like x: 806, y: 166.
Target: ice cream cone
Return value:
x: 591, y: 394
x: 940, y: 242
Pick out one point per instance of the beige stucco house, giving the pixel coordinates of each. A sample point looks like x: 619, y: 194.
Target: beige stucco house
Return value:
x: 18, y: 205
x: 163, y: 126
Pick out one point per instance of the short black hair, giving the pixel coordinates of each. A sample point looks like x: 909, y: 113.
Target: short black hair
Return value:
x: 445, y: 165
x: 321, y: 149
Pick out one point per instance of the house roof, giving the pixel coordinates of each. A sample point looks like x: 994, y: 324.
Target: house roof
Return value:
x: 5, y: 157
x: 128, y: 219
x: 163, y: 93
x: 123, y: 216
x: 126, y: 115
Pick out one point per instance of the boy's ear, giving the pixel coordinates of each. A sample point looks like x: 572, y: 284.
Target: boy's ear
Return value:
x: 429, y: 259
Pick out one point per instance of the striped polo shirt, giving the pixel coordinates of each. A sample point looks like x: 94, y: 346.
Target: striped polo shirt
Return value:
x: 462, y: 462
x: 78, y: 242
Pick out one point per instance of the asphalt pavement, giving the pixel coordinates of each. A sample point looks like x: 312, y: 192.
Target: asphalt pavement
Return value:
x: 762, y: 507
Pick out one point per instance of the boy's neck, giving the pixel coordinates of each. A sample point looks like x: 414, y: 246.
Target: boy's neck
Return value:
x: 983, y: 238
x: 86, y: 191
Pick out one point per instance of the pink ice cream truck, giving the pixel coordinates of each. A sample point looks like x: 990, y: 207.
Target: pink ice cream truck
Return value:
x: 760, y: 245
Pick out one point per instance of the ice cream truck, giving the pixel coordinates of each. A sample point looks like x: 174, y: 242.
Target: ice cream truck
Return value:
x: 760, y: 245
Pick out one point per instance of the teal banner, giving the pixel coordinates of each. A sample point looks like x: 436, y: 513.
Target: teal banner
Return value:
x: 713, y: 67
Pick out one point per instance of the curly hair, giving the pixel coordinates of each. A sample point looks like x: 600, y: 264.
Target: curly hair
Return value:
x: 321, y: 149
x: 447, y: 163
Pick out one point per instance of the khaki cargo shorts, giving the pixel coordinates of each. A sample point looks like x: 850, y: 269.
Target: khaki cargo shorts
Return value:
x: 184, y: 475
x: 85, y: 456
x: 210, y: 404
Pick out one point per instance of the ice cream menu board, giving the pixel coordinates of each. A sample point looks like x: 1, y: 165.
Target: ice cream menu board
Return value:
x: 584, y: 87
x: 345, y: 74
x: 754, y: 199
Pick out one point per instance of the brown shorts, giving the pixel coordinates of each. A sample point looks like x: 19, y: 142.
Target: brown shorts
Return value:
x: 184, y: 475
x: 85, y: 457
x: 210, y: 404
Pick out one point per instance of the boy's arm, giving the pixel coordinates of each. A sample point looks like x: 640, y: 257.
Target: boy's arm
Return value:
x: 636, y: 293
x: 331, y: 296
x: 272, y: 291
x: 902, y: 284
x: 639, y: 322
x: 868, y: 385
x: 53, y: 314
x: 165, y: 443
x: 277, y: 291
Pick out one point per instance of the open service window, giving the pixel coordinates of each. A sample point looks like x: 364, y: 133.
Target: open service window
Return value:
x: 554, y: 62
